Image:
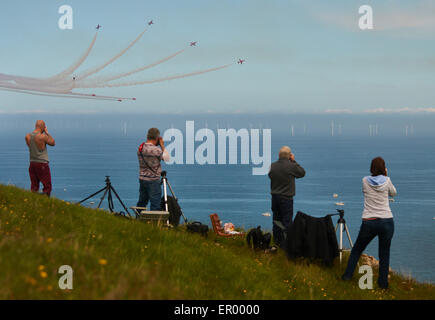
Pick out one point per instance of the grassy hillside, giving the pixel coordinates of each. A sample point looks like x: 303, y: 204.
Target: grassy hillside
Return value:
x: 117, y: 258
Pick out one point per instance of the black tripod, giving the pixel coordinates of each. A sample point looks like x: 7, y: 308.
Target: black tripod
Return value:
x: 343, y: 227
x: 108, y: 189
x: 165, y: 183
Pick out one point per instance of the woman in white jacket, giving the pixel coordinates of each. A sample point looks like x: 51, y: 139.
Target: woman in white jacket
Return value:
x: 377, y: 220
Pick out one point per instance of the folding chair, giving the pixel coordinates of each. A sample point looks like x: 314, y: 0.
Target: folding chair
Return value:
x: 219, y: 230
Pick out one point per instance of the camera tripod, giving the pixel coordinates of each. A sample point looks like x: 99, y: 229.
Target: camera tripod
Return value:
x: 343, y: 227
x: 108, y: 189
x: 166, y: 183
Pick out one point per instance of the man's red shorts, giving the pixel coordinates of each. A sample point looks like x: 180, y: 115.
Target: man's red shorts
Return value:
x: 40, y: 172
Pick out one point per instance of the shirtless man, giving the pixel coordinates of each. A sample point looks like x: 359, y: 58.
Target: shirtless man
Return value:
x: 39, y: 170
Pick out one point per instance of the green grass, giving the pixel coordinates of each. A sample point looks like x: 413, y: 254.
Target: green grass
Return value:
x: 117, y: 258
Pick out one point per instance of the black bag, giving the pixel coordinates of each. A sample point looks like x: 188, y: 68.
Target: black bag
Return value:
x: 198, y: 227
x: 257, y: 239
x: 313, y: 238
x: 174, y: 210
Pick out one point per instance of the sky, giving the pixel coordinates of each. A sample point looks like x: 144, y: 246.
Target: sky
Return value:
x: 301, y: 56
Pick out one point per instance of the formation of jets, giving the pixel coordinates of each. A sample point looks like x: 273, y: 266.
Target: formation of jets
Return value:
x: 192, y: 44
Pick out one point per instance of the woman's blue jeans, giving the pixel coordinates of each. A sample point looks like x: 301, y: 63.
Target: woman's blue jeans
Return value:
x: 384, y: 230
x: 150, y: 191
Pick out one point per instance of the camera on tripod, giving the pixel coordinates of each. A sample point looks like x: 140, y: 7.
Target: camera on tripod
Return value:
x: 170, y: 213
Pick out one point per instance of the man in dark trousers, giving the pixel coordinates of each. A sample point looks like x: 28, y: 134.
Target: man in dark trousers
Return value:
x: 39, y: 169
x: 282, y: 176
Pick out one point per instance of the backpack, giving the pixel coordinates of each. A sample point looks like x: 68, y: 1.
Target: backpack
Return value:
x: 259, y: 239
x: 174, y: 210
x: 198, y: 227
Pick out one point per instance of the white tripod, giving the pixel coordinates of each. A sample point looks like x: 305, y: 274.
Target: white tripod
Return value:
x: 343, y: 227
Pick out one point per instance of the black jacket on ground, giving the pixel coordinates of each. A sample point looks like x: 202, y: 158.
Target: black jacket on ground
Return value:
x: 312, y: 237
x: 282, y: 176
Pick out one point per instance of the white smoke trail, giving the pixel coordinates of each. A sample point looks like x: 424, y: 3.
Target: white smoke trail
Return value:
x: 8, y: 77
x: 92, y: 81
x: 19, y: 79
x: 101, y: 67
x: 75, y: 65
x: 60, y: 85
x: 125, y: 84
x: 104, y: 97
x: 66, y: 95
x: 49, y: 88
x: 53, y: 81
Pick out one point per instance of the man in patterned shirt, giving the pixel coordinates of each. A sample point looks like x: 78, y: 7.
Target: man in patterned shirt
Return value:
x: 150, y: 154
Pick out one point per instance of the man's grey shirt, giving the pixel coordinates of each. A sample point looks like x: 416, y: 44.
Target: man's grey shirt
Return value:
x: 282, y: 176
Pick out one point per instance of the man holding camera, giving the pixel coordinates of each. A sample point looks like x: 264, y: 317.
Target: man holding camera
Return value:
x: 282, y: 176
x: 150, y: 154
x: 39, y: 170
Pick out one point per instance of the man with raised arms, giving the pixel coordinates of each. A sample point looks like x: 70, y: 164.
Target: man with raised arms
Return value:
x: 282, y: 176
x: 39, y: 170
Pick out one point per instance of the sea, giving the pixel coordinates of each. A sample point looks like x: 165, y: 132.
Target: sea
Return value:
x: 335, y: 152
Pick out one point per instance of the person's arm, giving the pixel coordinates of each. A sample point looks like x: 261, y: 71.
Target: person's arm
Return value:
x: 27, y: 138
x: 363, y: 186
x: 295, y: 169
x: 165, y: 156
x: 392, y: 192
x: 165, y: 153
x: 48, y: 138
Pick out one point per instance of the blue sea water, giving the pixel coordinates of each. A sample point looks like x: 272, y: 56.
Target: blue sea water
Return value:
x: 82, y: 158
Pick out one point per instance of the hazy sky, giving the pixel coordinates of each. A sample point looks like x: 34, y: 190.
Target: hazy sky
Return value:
x: 301, y: 56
